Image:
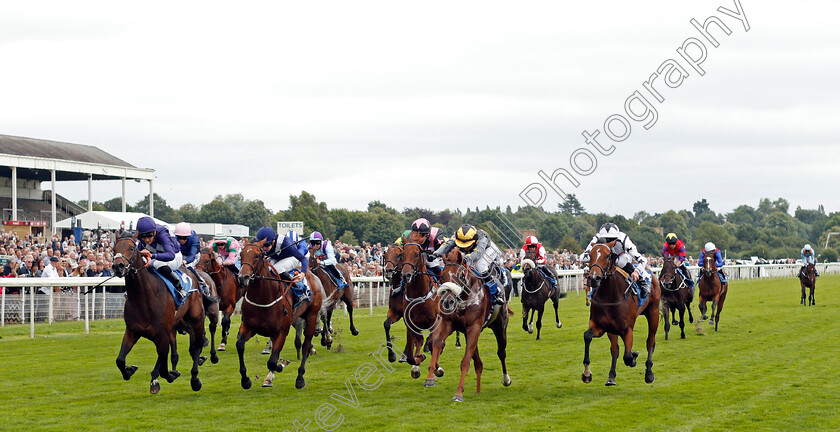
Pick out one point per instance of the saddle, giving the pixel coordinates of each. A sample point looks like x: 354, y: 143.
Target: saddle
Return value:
x: 186, y: 283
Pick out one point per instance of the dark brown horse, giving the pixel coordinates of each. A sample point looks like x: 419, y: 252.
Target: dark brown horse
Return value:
x: 614, y: 311
x: 676, y: 295
x: 464, y: 304
x: 536, y: 290
x: 150, y: 313
x: 711, y: 289
x: 211, y: 311
x: 332, y: 296
x: 808, y: 279
x: 228, y: 287
x: 267, y: 310
x: 420, y: 311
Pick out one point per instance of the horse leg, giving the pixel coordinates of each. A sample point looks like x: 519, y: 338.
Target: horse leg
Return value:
x: 325, y: 328
x: 348, y: 302
x: 479, y: 368
x: 593, y: 332
x: 719, y: 302
x: 714, y: 307
x: 244, y: 335
x: 682, y: 322
x: 173, y: 355
x: 437, y: 344
x: 802, y: 299
x: 274, y: 364
x: 525, y: 311
x: 653, y: 324
x: 225, y: 328
x: 129, y: 339
x: 690, y: 316
x: 500, y: 331
x: 161, y: 347
x: 673, y: 311
x: 311, y: 324
x: 197, y: 339
x: 457, y: 339
x: 812, y: 299
x: 556, y: 301
x: 539, y: 320
x: 666, y: 311
x: 614, y: 353
x: 328, y: 329
x: 472, y: 334
x: 629, y: 355
x: 701, y: 304
x: 213, y: 315
x: 392, y: 357
x: 298, y: 341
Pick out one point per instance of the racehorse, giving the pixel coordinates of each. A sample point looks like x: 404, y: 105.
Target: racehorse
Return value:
x: 228, y: 287
x: 391, y: 260
x: 676, y: 295
x: 332, y: 297
x: 808, y: 279
x: 711, y: 289
x: 211, y: 311
x: 614, y: 311
x: 267, y: 310
x: 463, y: 304
x: 150, y: 313
x: 536, y: 290
x: 420, y: 311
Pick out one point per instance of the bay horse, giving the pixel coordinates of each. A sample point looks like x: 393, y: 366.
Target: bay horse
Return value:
x: 711, y: 289
x: 267, y: 310
x: 332, y: 296
x: 391, y: 260
x: 150, y: 312
x: 676, y: 295
x: 808, y: 279
x: 227, y: 285
x: 464, y: 304
x: 614, y: 311
x: 420, y: 310
x: 536, y: 290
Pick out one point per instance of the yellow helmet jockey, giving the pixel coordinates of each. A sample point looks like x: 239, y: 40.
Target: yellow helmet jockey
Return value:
x: 671, y: 238
x: 465, y: 236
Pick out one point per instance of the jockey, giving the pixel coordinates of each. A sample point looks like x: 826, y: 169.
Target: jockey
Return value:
x: 481, y: 254
x: 712, y: 250
x: 325, y: 253
x: 286, y: 255
x: 162, y: 251
x: 808, y: 257
x: 190, y: 248
x: 430, y: 238
x: 675, y: 247
x: 626, y: 252
x: 402, y: 238
x: 229, y: 249
x: 532, y: 244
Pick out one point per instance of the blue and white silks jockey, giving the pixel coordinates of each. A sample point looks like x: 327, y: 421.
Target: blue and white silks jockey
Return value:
x: 190, y: 246
x: 712, y: 250
x: 325, y: 254
x: 286, y: 255
x: 160, y: 247
x: 808, y: 257
x: 628, y: 257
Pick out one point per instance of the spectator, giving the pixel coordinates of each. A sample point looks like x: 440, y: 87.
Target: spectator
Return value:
x: 49, y: 271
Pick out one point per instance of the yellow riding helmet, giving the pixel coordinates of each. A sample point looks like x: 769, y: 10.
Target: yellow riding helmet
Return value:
x: 671, y: 238
x: 465, y: 236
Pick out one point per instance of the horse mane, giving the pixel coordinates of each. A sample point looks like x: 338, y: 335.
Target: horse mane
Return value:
x: 126, y: 234
x: 206, y: 250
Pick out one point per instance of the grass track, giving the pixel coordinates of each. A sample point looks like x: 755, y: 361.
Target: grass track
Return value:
x: 772, y: 366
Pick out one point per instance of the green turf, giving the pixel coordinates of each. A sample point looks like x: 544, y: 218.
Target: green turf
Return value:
x: 772, y: 366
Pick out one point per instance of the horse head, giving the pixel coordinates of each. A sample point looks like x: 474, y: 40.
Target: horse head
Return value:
x: 252, y: 259
x: 391, y: 259
x: 601, y: 265
x: 413, y: 262
x: 126, y: 257
x: 668, y: 273
x: 709, y: 267
x: 207, y: 261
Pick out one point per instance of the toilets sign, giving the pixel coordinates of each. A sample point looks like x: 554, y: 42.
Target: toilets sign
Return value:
x: 285, y: 227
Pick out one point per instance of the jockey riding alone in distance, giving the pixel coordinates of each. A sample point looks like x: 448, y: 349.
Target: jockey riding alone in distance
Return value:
x: 627, y: 255
x: 162, y: 251
x: 286, y: 255
x: 712, y: 250
x: 229, y: 249
x: 430, y: 238
x: 532, y: 244
x: 190, y: 250
x: 808, y: 257
x: 481, y: 254
x: 325, y: 253
x: 675, y: 248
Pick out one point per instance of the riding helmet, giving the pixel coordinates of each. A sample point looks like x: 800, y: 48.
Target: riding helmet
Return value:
x: 183, y: 229
x: 671, y: 238
x: 267, y: 234
x: 421, y: 225
x: 145, y: 225
x: 465, y: 236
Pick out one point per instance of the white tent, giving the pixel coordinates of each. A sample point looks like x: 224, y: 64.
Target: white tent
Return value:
x: 108, y: 220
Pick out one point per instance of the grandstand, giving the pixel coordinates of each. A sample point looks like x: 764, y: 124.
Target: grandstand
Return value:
x: 27, y: 162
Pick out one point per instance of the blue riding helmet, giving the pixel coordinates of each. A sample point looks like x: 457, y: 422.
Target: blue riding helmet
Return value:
x: 146, y: 225
x: 267, y: 234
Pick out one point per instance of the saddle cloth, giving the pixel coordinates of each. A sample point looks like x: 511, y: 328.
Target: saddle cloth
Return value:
x: 186, y: 283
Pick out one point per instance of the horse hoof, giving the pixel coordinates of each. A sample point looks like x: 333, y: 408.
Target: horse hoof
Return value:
x: 403, y: 359
x: 530, y: 329
x: 682, y: 336
x: 221, y: 347
x: 173, y: 375
x: 666, y: 336
x: 559, y: 324
x: 674, y: 322
x: 266, y: 351
x: 649, y: 377
x: 354, y: 332
x: 391, y: 356
x: 430, y: 382
x: 439, y: 372
x: 691, y: 320
x: 246, y: 383
x: 300, y: 383
x: 155, y: 387
x: 267, y: 383
x: 129, y: 371
x: 195, y: 383
x: 458, y: 398
x: 586, y: 379
x: 201, y: 360
x: 312, y: 352
x: 711, y: 322
x: 705, y: 317
x: 415, y: 372
x: 506, y: 381
x: 214, y: 358
x: 610, y: 382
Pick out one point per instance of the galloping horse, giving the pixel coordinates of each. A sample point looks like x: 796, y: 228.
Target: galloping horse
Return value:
x: 228, y: 287
x: 536, y: 290
x: 332, y: 297
x: 676, y: 295
x: 150, y: 313
x: 614, y: 311
x: 268, y: 311
x: 420, y: 312
x: 808, y: 279
x: 711, y: 289
x: 464, y: 304
x: 396, y: 305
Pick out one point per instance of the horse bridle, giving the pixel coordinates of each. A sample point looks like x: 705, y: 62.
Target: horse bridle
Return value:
x: 129, y: 260
x: 396, y: 264
x: 416, y: 272
x: 260, y: 261
x: 529, y: 270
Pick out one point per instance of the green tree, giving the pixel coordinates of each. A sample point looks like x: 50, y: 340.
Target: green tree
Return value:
x: 217, y: 211
x: 189, y: 213
x: 254, y: 215
x: 571, y: 205
x: 701, y: 207
x: 744, y: 215
x: 349, y: 238
x: 115, y: 205
x: 571, y: 244
x: 780, y: 224
x: 673, y: 222
x: 828, y: 255
x: 97, y: 206
x: 382, y: 226
x: 314, y: 214
x: 710, y: 232
x: 162, y: 210
x: 552, y: 230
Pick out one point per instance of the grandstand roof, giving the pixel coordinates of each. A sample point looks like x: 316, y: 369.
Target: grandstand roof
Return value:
x: 35, y: 158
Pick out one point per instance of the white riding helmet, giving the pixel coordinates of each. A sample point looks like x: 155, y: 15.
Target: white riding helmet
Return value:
x: 710, y: 247
x: 183, y: 229
x: 807, y: 247
x: 609, y: 231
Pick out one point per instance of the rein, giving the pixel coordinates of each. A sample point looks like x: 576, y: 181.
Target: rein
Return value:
x: 417, y: 272
x: 530, y: 271
x: 259, y: 266
x: 607, y: 277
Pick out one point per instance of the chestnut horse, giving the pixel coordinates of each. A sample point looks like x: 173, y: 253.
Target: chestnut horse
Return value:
x: 710, y: 289
x: 536, y: 290
x: 614, y: 311
x: 391, y: 260
x: 808, y: 279
x: 228, y: 287
x: 464, y: 304
x: 420, y: 311
x: 676, y: 295
x: 332, y: 296
x: 267, y: 310
x: 150, y: 313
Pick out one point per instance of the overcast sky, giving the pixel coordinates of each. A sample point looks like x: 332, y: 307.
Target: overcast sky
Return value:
x: 431, y: 104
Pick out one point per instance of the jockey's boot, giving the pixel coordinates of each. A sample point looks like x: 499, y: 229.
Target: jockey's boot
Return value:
x: 496, y: 294
x: 301, y: 294
x: 397, y: 290
x: 167, y: 272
